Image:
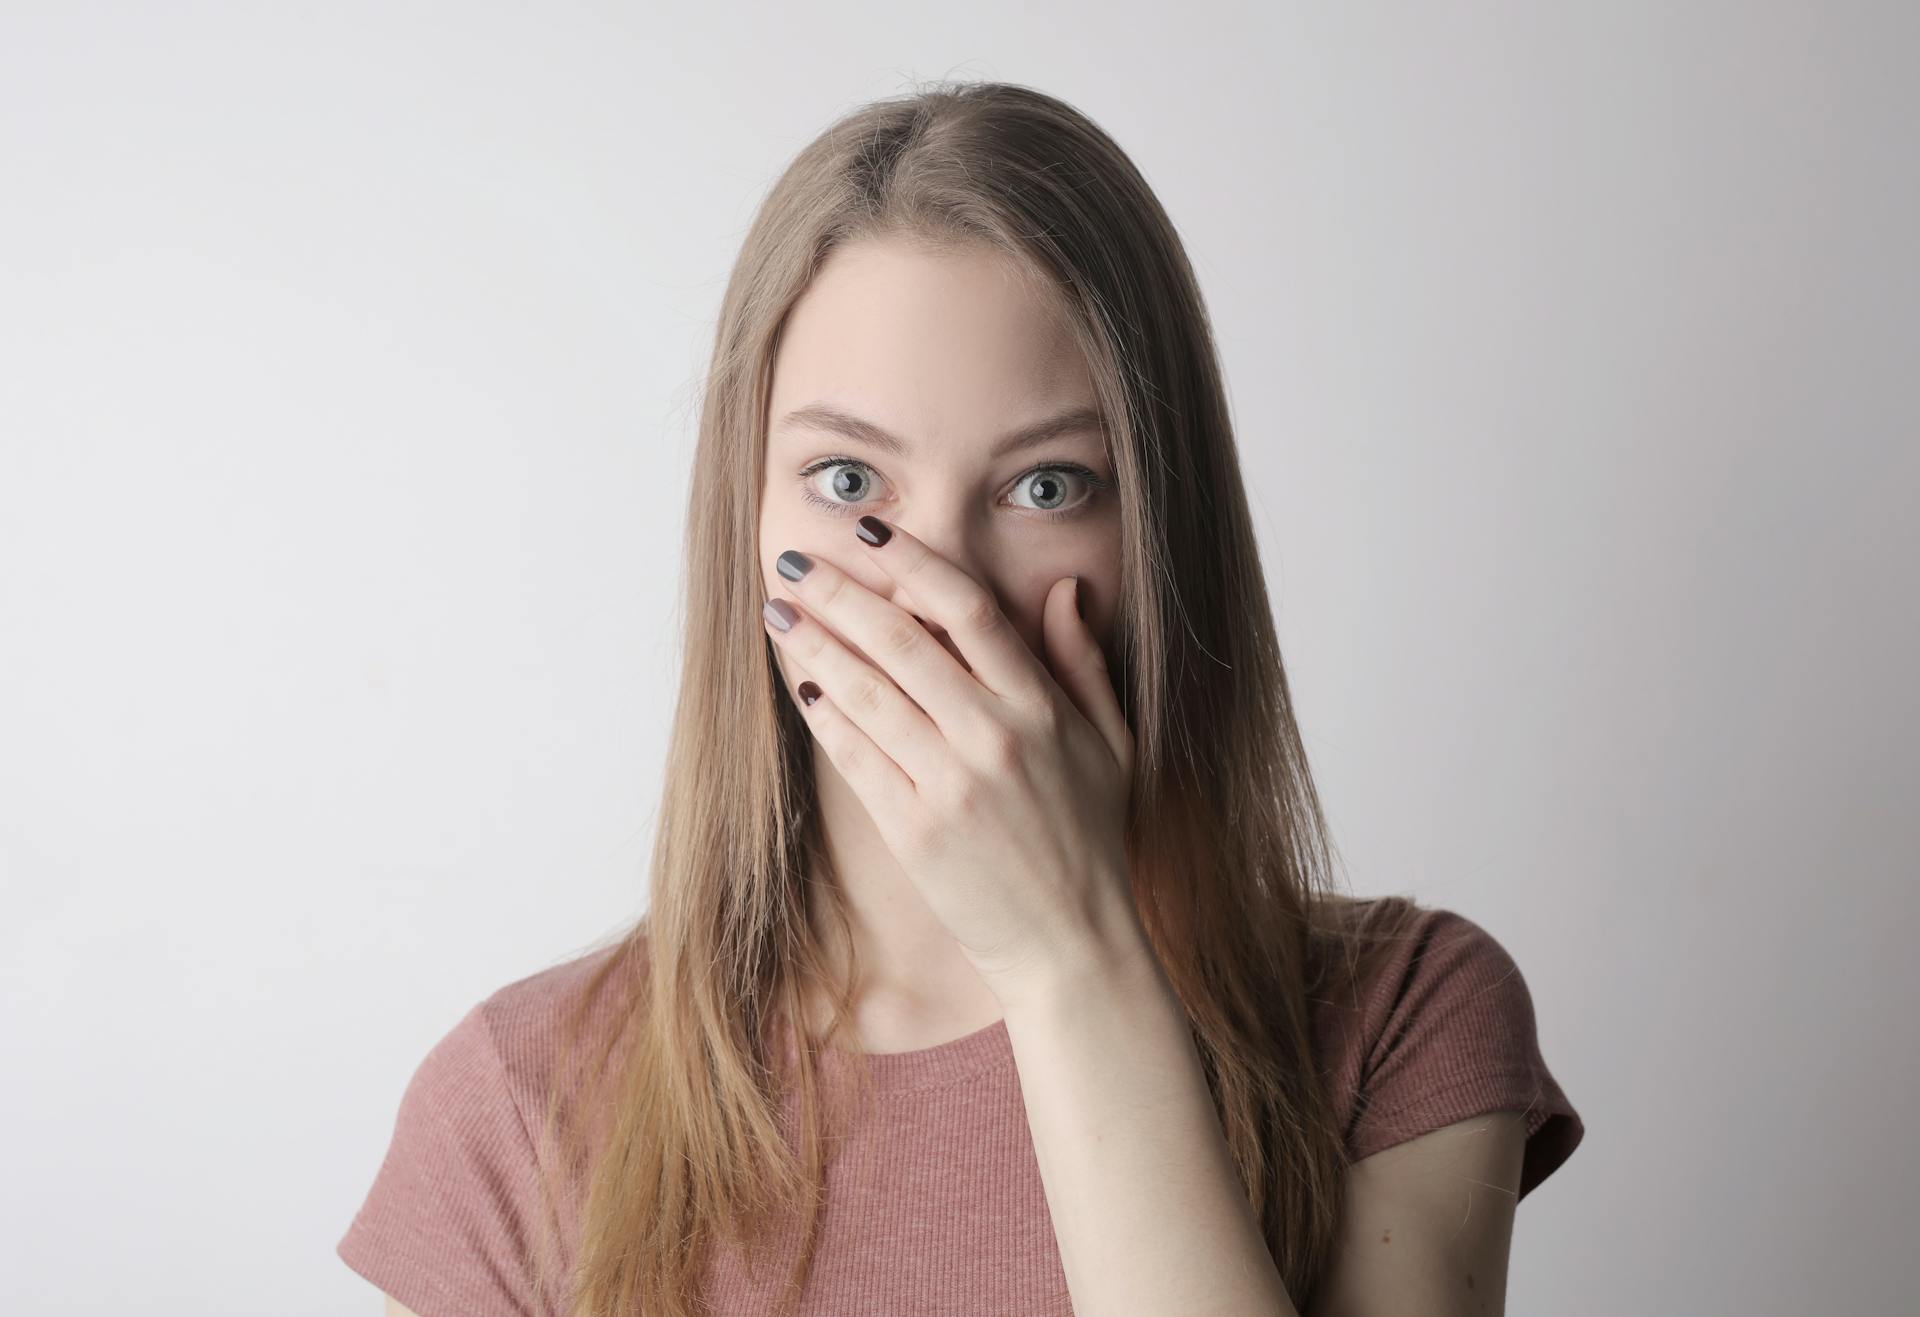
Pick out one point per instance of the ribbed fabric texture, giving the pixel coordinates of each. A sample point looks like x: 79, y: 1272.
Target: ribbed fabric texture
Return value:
x: 934, y: 1204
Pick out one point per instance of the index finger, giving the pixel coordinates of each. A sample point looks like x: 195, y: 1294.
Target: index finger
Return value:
x: 963, y: 607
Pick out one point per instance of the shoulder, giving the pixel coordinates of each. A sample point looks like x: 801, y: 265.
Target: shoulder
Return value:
x: 457, y: 1199
x: 1422, y: 1019
x: 504, y: 1048
x: 526, y: 1022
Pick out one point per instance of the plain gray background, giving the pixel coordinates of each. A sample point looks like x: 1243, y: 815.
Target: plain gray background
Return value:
x: 348, y: 366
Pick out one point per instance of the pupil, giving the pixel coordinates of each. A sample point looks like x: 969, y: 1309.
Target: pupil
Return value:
x: 1042, y: 481
x: 840, y: 479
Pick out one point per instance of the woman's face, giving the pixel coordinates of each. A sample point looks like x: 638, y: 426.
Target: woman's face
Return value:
x: 949, y: 354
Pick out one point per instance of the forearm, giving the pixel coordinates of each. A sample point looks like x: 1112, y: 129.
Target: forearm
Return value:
x: 1146, y: 1203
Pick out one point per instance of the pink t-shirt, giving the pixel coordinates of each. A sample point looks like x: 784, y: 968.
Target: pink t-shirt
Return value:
x: 935, y: 1205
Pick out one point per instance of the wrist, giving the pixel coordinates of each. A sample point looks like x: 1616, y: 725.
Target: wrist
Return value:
x: 1113, y: 958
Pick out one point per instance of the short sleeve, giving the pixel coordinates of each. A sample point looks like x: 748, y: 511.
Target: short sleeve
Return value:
x: 449, y: 1225
x: 1456, y: 1038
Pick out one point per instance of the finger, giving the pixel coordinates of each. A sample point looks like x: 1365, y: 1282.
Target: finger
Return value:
x: 1080, y: 666
x: 965, y: 608
x: 864, y: 697
x: 875, y: 778
x: 889, y: 638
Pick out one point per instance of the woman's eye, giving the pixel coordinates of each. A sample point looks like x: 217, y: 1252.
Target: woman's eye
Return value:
x: 1051, y: 487
x: 851, y: 483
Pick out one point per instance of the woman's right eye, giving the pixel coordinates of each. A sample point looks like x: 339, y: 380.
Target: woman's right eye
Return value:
x: 845, y: 482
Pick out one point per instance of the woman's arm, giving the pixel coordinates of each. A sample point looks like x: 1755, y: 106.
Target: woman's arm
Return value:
x: 1146, y: 1203
x: 1427, y: 1225
x: 1148, y: 1208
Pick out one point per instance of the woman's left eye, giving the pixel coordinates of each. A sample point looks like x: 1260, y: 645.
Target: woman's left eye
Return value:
x: 1047, y: 484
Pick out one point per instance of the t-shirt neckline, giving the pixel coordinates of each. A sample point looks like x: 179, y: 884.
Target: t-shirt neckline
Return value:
x: 950, y: 1062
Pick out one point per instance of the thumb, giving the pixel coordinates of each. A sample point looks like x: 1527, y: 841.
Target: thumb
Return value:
x: 1073, y: 652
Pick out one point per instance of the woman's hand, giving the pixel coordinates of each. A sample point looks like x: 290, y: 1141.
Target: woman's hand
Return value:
x: 1001, y: 792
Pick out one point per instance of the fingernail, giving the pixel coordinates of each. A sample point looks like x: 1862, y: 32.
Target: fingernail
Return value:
x: 793, y: 564
x: 808, y: 692
x: 873, y: 530
x: 779, y: 613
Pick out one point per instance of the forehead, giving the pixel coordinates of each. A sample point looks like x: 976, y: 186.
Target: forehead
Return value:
x: 927, y: 341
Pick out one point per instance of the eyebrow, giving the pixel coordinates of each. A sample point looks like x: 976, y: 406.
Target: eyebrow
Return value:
x: 824, y: 416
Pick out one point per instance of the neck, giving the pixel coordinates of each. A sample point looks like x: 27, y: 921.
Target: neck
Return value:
x: 914, y: 979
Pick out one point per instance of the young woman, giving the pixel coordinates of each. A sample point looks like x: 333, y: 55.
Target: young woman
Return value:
x: 993, y: 962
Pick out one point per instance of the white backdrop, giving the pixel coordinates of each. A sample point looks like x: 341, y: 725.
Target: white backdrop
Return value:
x: 348, y: 358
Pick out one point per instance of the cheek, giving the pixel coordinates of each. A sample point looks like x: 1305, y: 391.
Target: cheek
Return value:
x: 765, y: 552
x: 782, y: 528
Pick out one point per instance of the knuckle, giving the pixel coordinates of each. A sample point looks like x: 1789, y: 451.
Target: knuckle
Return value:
x: 963, y: 793
x: 851, y: 760
x: 901, y: 636
x: 911, y: 825
x: 920, y: 838
x: 1048, y: 720
x: 999, y: 751
x: 830, y: 590
x: 978, y: 610
x: 808, y: 642
x: 866, y: 695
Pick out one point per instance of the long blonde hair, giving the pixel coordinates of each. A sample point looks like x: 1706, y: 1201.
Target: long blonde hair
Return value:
x: 682, y: 1141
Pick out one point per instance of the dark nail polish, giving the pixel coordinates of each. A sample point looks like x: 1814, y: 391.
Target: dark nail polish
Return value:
x: 793, y: 564
x: 873, y: 530
x: 808, y: 692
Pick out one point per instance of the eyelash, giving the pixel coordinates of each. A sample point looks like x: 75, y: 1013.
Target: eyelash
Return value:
x: 1096, y: 483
